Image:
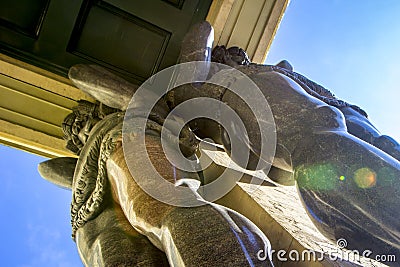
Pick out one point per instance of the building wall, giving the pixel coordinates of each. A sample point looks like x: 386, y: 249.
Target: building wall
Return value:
x: 34, y: 102
x: 249, y: 24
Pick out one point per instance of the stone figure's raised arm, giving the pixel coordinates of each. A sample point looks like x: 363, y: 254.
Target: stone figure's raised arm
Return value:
x: 102, y: 85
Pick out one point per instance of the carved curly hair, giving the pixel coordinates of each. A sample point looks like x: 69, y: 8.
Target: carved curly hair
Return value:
x: 77, y: 125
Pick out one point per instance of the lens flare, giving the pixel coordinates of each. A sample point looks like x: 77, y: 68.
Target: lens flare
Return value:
x: 365, y: 178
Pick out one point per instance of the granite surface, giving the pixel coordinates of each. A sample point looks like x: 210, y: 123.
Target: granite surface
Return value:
x: 279, y: 212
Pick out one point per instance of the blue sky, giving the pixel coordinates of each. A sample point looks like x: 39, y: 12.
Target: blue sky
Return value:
x: 35, y: 226
x: 350, y: 47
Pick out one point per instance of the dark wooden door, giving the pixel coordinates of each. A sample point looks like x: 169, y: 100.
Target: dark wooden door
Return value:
x: 134, y: 38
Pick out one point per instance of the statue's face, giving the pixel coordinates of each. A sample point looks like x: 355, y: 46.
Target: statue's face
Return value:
x: 232, y: 56
x: 82, y: 127
x: 78, y: 124
x: 219, y: 54
x: 238, y: 55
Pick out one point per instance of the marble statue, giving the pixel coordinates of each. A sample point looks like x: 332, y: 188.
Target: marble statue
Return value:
x: 346, y: 172
x: 114, y: 222
x: 356, y: 119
